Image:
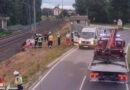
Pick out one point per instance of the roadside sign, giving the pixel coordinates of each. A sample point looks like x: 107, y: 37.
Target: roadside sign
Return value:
x: 119, y: 23
x: 115, y: 21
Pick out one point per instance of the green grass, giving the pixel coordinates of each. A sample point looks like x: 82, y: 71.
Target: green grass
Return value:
x: 129, y: 57
x: 35, y: 61
x: 6, y: 32
x: 106, y: 24
x: 127, y: 25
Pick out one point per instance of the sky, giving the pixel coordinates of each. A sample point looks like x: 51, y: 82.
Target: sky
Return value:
x: 67, y: 4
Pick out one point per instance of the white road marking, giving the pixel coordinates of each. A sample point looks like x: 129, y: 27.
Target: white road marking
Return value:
x: 82, y: 84
x: 127, y: 48
x: 53, y: 68
x: 127, y: 87
x: 58, y: 59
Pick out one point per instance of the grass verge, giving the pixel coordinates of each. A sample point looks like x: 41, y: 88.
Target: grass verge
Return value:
x: 34, y: 60
x: 6, y: 32
x: 127, y: 25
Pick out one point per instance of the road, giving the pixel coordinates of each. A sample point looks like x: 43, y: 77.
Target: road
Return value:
x: 11, y: 45
x: 71, y: 73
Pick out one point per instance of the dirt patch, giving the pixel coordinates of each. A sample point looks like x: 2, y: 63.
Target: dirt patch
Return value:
x: 33, y: 60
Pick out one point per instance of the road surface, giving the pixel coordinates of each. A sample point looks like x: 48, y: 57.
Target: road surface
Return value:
x: 71, y: 73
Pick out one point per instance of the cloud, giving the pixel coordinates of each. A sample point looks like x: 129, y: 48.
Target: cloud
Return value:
x: 55, y: 2
x: 47, y: 5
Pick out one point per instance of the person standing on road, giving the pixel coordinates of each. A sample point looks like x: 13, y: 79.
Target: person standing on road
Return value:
x: 18, y: 80
x: 40, y: 40
x: 50, y: 40
x: 68, y: 39
x: 58, y: 39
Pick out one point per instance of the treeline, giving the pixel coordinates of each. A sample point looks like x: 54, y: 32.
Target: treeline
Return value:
x: 47, y: 12
x: 104, y: 11
x: 20, y: 11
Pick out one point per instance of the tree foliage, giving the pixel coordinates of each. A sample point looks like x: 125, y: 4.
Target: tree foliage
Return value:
x: 47, y: 12
x: 19, y: 11
x: 104, y: 11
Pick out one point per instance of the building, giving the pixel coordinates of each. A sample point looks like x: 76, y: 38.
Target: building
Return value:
x: 78, y: 22
x: 57, y: 11
x: 3, y: 22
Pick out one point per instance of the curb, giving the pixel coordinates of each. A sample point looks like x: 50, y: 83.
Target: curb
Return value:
x: 127, y: 55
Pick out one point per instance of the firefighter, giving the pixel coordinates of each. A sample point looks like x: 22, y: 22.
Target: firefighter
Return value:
x: 68, y: 38
x: 72, y: 38
x: 46, y: 37
x: 36, y: 39
x: 58, y: 39
x: 40, y: 40
x: 18, y: 80
x: 50, y: 40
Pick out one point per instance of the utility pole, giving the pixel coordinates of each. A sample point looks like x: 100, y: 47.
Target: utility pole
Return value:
x: 62, y: 10
x: 34, y: 14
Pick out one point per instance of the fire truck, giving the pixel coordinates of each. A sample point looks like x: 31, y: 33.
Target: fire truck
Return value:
x: 109, y: 63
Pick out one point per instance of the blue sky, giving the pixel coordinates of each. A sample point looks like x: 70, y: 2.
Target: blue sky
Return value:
x: 51, y: 3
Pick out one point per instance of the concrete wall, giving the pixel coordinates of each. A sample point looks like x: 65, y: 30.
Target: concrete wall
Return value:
x: 77, y: 25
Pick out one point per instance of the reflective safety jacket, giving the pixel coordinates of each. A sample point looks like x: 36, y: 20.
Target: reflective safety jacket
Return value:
x: 58, y: 36
x: 18, y: 80
x: 51, y: 38
x: 40, y: 39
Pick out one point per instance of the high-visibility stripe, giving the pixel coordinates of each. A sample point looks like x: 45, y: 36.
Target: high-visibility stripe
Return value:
x: 50, y: 38
x: 18, y: 78
x: 40, y: 39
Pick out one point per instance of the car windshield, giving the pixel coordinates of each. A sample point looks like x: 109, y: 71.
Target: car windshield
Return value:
x: 87, y: 34
x: 100, y: 31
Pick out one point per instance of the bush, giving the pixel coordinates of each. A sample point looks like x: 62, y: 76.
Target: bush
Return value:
x: 5, y: 32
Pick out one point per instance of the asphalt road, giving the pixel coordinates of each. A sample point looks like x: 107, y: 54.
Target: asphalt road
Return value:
x: 71, y: 73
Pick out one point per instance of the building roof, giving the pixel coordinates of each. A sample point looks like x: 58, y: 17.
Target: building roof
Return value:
x: 4, y: 18
x: 73, y: 18
x: 56, y: 7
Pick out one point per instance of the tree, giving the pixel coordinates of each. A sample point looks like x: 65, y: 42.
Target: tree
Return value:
x: 120, y: 9
x: 47, y: 12
x: 104, y: 11
x: 19, y: 11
